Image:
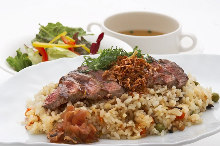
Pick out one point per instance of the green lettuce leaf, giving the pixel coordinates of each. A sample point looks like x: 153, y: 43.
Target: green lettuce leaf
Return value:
x: 34, y: 57
x: 56, y: 53
x: 47, y: 33
x: 20, y: 61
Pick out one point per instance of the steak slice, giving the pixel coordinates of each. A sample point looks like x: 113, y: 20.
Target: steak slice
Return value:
x: 76, y: 86
x: 91, y: 87
x: 112, y: 87
x: 84, y: 84
x: 67, y: 88
x: 177, y: 71
x: 167, y: 73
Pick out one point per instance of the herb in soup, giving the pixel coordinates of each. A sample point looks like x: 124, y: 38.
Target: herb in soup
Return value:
x: 131, y: 31
x: 141, y: 32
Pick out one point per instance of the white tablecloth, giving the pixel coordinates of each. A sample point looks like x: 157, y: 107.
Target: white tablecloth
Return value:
x: 201, y: 17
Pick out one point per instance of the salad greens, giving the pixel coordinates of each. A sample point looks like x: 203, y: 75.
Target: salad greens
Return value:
x: 20, y: 61
x: 56, y: 53
x: 107, y: 58
x: 47, y: 33
x: 53, y: 41
x: 35, y: 58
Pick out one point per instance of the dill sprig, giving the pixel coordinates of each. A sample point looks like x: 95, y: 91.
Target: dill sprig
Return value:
x: 108, y: 57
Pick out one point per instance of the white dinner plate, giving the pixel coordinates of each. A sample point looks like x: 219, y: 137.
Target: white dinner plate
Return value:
x: 107, y: 42
x: 24, y: 84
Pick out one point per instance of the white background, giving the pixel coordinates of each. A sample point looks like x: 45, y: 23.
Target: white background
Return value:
x: 200, y: 17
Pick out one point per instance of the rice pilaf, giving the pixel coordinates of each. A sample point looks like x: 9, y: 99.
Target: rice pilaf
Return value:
x: 118, y: 95
x: 134, y: 116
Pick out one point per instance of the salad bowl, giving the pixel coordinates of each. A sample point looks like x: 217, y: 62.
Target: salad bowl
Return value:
x: 107, y: 42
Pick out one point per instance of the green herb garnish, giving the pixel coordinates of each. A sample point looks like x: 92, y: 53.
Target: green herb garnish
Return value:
x: 149, y: 31
x: 149, y: 59
x: 20, y: 61
x: 107, y: 58
x: 47, y: 33
x: 139, y: 54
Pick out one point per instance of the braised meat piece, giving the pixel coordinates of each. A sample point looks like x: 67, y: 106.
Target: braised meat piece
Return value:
x: 77, y: 85
x: 74, y: 128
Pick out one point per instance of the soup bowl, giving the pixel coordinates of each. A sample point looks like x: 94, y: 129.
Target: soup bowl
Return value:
x: 167, y: 43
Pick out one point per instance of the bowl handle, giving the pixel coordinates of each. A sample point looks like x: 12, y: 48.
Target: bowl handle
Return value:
x: 194, y: 42
x: 89, y: 27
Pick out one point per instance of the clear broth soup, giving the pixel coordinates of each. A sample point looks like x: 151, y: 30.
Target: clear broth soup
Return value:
x: 141, y: 32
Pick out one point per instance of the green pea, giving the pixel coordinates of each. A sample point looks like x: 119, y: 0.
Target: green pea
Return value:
x: 196, y: 83
x: 159, y: 127
x: 215, y: 97
x: 192, y: 112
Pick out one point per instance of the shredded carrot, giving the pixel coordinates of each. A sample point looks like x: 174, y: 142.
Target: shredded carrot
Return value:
x: 101, y: 120
x: 143, y: 132
x: 28, y: 109
x: 67, y: 41
x: 180, y: 117
x: 30, y: 123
